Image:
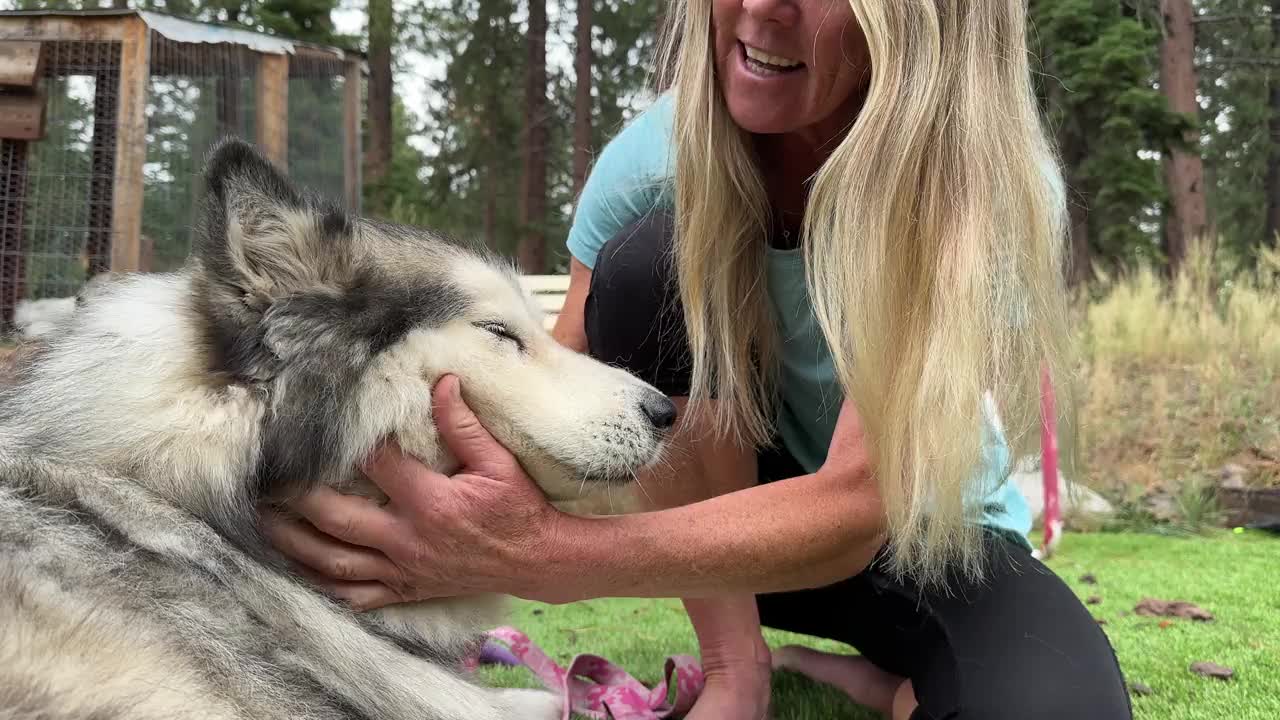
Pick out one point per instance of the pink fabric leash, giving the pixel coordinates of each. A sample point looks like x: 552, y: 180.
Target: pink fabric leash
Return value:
x: 598, y: 689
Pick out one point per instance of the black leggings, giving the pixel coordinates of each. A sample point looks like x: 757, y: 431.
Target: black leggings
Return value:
x: 1020, y: 646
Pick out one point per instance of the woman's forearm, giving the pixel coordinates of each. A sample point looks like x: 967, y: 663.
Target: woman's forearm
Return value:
x: 802, y: 532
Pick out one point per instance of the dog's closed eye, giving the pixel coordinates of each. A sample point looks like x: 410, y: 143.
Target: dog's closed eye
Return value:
x: 501, y: 331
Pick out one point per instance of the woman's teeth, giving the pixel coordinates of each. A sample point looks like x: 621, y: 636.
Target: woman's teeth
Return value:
x: 772, y: 61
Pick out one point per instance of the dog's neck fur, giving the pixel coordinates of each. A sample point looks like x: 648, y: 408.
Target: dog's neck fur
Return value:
x: 148, y: 408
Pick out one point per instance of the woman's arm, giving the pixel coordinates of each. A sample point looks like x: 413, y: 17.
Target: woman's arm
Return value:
x: 569, y: 329
x: 802, y: 532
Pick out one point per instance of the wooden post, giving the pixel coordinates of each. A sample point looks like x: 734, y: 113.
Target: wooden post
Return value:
x: 13, y: 201
x: 351, y: 104
x: 272, y: 108
x: 131, y: 146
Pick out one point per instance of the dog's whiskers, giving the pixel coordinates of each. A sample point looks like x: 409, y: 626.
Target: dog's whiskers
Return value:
x: 636, y: 476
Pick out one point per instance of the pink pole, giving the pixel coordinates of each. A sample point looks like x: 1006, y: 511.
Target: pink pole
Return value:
x: 1049, y: 464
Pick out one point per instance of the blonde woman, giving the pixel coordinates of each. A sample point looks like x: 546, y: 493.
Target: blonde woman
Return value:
x: 838, y: 228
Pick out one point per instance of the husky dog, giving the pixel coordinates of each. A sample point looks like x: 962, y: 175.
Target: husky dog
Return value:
x: 136, y: 443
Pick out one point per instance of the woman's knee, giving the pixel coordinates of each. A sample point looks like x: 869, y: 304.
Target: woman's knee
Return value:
x: 632, y: 315
x: 1049, y: 699
x: 630, y: 276
x: 1084, y: 681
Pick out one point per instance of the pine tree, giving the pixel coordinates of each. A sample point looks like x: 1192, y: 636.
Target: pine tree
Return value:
x: 1098, y: 62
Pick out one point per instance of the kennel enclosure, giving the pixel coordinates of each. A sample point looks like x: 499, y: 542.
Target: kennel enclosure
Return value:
x: 106, y: 117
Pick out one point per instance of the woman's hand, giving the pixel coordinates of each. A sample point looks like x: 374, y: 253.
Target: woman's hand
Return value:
x: 482, y: 530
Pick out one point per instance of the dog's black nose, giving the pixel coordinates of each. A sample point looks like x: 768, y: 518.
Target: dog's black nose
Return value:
x: 660, y: 410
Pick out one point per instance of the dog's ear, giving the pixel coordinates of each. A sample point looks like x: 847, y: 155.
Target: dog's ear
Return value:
x: 262, y: 237
x: 262, y: 243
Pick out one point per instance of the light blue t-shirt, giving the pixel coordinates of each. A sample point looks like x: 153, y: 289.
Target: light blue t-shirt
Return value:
x: 630, y: 178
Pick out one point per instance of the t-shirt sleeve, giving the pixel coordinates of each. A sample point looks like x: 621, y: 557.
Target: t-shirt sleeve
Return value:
x: 626, y: 182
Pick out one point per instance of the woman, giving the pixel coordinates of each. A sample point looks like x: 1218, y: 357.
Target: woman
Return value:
x: 837, y: 230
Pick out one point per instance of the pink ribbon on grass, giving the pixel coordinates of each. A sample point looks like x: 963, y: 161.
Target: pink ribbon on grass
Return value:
x: 598, y: 689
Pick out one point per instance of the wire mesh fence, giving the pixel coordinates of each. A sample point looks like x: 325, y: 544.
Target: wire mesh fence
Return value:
x: 196, y: 94
x: 60, y: 195
x: 317, y: 86
x: 57, y: 191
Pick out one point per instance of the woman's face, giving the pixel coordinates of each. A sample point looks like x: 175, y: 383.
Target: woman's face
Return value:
x: 790, y: 66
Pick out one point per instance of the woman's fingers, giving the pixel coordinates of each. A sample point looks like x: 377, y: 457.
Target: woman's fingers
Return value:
x: 334, y: 560
x: 349, y: 518
x: 359, y: 596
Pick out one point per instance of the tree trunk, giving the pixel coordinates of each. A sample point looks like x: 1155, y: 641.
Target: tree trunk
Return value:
x: 1080, y: 259
x: 1074, y: 150
x: 532, y: 250
x: 582, y: 98
x: 1273, y: 157
x: 377, y: 159
x: 1081, y: 268
x: 1183, y: 169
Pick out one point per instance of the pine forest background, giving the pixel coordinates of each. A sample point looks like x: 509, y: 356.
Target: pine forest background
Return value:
x: 484, y: 116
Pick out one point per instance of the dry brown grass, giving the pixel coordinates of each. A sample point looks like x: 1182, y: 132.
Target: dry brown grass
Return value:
x: 1181, y: 380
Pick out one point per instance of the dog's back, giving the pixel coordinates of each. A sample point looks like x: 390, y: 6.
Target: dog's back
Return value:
x: 94, y: 626
x: 115, y: 604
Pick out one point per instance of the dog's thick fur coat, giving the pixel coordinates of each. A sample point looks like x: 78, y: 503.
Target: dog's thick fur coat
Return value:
x: 137, y: 443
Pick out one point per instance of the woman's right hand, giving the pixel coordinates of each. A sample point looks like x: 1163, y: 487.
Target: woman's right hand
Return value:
x: 485, y: 529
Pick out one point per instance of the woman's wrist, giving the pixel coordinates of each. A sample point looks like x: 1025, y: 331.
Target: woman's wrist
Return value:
x: 729, y: 633
x: 555, y: 569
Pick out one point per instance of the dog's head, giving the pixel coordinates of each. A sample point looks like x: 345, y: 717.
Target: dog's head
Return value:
x: 345, y: 324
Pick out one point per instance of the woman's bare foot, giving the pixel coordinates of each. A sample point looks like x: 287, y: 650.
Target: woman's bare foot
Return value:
x: 728, y: 701
x: 863, y: 682
x: 737, y: 691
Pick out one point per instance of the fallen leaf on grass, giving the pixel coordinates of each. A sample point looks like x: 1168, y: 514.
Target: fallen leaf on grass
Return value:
x: 1093, y: 600
x: 1164, y: 624
x: 1138, y: 688
x: 1088, y: 579
x: 1172, y: 608
x: 1100, y: 621
x: 1213, y: 670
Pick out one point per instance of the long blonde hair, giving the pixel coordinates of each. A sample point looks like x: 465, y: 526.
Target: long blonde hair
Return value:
x: 934, y: 247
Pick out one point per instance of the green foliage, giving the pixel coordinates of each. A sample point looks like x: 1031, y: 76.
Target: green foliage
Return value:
x: 625, y: 43
x: 475, y: 123
x: 1236, y: 105
x: 403, y: 195
x: 1099, y: 62
x: 1097, y: 73
x: 476, y: 120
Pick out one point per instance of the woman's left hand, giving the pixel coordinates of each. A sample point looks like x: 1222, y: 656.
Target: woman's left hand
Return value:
x: 481, y: 530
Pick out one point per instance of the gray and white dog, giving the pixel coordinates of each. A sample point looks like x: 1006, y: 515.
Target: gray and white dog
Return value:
x: 137, y: 443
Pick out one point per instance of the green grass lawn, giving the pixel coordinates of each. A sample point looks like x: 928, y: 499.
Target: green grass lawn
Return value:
x: 1233, y: 576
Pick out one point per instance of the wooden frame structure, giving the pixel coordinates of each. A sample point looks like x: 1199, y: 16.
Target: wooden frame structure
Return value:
x: 120, y: 112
